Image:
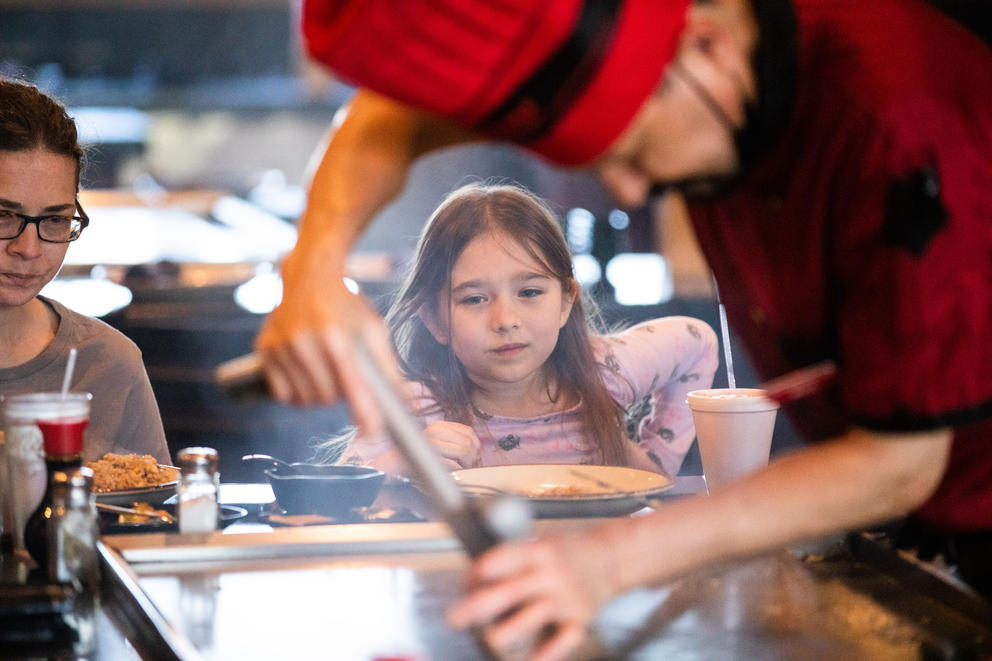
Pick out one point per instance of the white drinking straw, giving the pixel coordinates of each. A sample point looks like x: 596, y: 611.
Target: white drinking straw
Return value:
x: 725, y: 332
x: 70, y: 366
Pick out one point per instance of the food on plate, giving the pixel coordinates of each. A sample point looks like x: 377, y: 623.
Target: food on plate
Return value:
x: 115, y: 472
x: 144, y: 513
x: 566, y: 491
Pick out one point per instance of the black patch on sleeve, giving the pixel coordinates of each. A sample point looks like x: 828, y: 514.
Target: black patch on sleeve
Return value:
x: 914, y: 210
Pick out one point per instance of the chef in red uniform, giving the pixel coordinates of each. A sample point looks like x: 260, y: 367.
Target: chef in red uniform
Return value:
x: 838, y: 157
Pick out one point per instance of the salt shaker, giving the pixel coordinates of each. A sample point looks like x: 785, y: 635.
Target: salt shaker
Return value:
x: 199, y: 486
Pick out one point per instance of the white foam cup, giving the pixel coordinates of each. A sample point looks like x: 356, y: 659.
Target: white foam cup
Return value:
x: 734, y: 430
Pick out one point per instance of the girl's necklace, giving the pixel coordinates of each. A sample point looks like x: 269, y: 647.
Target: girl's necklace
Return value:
x: 553, y: 407
x: 480, y: 413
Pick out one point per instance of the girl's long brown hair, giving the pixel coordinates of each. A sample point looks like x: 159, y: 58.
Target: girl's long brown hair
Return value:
x: 466, y: 213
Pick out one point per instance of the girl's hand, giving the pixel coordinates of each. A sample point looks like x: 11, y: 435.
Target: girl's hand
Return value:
x: 541, y: 594
x: 457, y: 444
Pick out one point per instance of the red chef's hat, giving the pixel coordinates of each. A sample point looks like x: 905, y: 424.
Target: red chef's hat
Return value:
x: 561, y: 77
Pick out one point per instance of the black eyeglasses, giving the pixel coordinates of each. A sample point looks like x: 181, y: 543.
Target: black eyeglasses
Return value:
x: 53, y: 228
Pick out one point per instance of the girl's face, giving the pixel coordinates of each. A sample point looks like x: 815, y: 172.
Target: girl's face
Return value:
x: 35, y: 183
x: 505, y: 313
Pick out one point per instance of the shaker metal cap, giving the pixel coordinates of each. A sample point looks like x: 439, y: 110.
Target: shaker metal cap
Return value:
x: 197, y: 459
x: 80, y: 478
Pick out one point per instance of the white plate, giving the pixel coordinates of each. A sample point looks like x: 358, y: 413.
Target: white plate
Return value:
x: 566, y: 490
x: 155, y: 495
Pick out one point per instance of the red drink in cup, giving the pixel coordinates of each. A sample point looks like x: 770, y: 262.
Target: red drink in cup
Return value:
x: 63, y: 435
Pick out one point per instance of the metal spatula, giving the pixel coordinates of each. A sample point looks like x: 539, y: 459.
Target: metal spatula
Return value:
x: 478, y: 526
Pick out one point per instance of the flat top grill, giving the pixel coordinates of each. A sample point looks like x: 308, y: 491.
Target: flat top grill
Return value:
x: 849, y: 598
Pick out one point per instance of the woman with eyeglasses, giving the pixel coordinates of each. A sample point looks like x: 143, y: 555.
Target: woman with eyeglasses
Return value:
x: 40, y: 215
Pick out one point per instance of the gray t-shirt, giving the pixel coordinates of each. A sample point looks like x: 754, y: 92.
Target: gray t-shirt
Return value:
x: 124, y: 416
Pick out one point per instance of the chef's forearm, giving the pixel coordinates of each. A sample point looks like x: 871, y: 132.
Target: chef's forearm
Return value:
x: 853, y: 481
x: 363, y: 168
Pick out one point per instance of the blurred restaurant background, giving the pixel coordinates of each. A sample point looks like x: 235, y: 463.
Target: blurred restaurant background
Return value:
x: 201, y: 117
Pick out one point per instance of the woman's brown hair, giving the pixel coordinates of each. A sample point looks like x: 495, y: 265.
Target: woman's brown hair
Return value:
x: 511, y: 211
x: 30, y: 119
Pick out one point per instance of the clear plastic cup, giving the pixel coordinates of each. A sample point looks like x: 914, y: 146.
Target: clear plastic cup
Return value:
x: 25, y: 448
x: 734, y: 430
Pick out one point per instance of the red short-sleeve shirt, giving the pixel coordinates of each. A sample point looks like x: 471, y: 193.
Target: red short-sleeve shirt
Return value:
x: 865, y: 236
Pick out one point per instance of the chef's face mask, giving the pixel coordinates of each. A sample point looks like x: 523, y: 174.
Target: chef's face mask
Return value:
x: 774, y: 66
x: 708, y: 186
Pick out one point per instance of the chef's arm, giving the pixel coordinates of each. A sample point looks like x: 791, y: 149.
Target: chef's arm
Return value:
x: 306, y: 343
x: 372, y: 145
x: 856, y: 480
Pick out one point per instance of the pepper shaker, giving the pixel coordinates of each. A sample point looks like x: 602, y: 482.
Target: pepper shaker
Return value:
x: 198, y: 490
x: 73, y: 532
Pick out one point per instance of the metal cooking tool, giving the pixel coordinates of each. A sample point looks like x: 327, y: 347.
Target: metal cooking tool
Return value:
x: 168, y: 518
x: 471, y: 488
x: 274, y: 462
x: 478, y: 529
x: 644, y: 501
x: 476, y: 526
x: 597, y: 481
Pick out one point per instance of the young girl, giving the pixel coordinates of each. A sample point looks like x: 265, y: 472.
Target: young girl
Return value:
x: 490, y: 329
